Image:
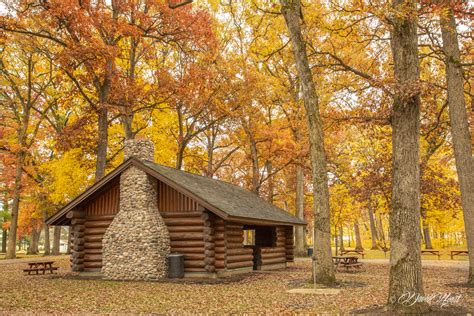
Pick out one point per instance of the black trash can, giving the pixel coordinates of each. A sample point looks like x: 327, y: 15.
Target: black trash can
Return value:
x: 176, y: 266
x: 310, y: 252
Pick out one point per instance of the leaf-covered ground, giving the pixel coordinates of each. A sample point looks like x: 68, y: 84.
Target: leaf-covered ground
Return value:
x: 256, y: 292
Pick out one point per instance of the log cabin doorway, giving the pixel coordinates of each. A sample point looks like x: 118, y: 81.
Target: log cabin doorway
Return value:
x: 259, y: 238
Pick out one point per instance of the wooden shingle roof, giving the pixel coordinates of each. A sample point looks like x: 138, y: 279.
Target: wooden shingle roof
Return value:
x: 226, y: 200
x: 229, y: 198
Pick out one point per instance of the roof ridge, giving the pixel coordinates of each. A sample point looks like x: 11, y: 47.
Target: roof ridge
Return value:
x: 199, y: 175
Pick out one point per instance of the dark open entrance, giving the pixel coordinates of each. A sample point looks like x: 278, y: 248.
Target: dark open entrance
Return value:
x: 256, y: 237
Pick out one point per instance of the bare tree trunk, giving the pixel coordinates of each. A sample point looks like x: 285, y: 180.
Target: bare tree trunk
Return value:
x: 300, y: 239
x: 373, y: 229
x: 460, y: 130
x: 56, y: 240
x: 211, y: 138
x: 405, y: 233
x: 4, y: 240
x: 33, y: 246
x: 4, y: 231
x: 127, y: 115
x: 324, y: 267
x: 381, y: 232
x: 341, y: 238
x: 37, y: 237
x: 127, y: 121
x: 426, y: 236
x: 47, y: 244
x: 11, y: 246
x: 102, y: 143
x: 358, y: 240
x: 255, y: 168
x: 350, y: 238
x: 180, y: 156
x: 271, y: 185
x: 426, y: 229
x: 472, y: 123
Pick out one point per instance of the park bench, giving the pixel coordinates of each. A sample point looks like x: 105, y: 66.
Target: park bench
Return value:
x: 354, y: 251
x: 41, y: 266
x: 431, y: 252
x: 347, y: 262
x: 458, y: 253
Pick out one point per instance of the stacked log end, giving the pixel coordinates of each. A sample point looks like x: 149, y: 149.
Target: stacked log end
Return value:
x: 209, y: 245
x: 238, y: 256
x: 219, y: 244
x: 77, y: 239
x: 289, y: 244
x: 186, y: 231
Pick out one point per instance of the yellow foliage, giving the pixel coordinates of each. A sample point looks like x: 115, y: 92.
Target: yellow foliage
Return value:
x: 68, y: 176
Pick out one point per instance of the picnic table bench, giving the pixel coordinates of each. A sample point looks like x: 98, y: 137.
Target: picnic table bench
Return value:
x: 459, y: 253
x: 432, y: 252
x: 348, y: 262
x: 41, y: 266
x: 354, y: 251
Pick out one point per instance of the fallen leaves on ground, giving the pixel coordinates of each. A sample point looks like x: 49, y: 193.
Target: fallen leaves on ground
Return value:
x: 260, y: 292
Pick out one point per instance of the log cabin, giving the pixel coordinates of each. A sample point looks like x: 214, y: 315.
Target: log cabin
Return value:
x: 127, y: 223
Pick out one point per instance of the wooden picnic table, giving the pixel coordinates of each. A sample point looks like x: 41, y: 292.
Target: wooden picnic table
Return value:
x: 354, y: 251
x: 458, y: 252
x: 347, y: 262
x: 432, y: 252
x: 40, y: 266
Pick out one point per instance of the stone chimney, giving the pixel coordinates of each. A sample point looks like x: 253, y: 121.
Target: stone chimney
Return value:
x: 140, y: 148
x: 136, y: 244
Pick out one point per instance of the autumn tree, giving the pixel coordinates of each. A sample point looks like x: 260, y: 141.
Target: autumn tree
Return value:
x: 405, y: 236
x: 27, y: 76
x: 459, y: 123
x: 324, y: 269
x: 102, y: 48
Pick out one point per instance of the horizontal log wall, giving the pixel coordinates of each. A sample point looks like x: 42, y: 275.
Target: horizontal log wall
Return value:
x: 170, y: 200
x: 99, y: 213
x: 237, y: 256
x: 277, y: 254
x: 187, y: 237
x: 94, y: 230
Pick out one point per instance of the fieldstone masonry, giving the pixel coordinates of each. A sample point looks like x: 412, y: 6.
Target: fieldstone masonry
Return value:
x: 136, y: 244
